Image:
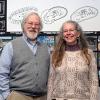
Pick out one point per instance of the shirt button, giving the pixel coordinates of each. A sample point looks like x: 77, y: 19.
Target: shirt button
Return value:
x: 36, y: 85
x: 36, y: 63
x: 37, y: 74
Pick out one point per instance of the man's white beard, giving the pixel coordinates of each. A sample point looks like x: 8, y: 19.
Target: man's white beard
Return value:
x: 33, y: 38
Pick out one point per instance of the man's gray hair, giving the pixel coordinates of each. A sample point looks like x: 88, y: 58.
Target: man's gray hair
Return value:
x: 29, y: 14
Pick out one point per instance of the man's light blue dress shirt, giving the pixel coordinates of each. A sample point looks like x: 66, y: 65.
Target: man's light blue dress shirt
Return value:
x: 5, y: 61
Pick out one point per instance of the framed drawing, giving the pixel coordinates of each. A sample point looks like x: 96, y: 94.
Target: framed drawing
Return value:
x: 2, y: 8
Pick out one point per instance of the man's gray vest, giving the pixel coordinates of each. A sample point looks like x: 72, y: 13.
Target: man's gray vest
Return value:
x: 29, y: 72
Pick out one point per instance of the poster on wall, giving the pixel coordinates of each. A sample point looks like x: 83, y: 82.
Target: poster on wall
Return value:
x: 49, y: 40
x: 54, y: 13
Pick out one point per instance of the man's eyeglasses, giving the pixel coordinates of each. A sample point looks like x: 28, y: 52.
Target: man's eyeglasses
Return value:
x: 31, y: 23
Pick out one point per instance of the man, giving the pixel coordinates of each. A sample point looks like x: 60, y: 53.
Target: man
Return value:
x: 24, y: 64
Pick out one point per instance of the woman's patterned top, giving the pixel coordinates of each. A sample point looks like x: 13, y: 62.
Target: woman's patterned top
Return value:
x: 74, y: 79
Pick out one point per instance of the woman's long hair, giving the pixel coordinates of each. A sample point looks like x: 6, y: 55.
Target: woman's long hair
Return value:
x: 59, y: 49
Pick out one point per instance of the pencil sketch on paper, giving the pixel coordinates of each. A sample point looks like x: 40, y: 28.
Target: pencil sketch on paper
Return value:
x: 84, y: 13
x: 17, y: 15
x: 53, y: 14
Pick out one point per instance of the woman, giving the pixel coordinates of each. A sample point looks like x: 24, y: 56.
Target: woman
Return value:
x: 73, y: 75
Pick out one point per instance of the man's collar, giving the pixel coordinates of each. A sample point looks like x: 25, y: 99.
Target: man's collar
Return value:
x: 28, y: 40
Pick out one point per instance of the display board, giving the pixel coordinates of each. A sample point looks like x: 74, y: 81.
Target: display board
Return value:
x: 54, y: 13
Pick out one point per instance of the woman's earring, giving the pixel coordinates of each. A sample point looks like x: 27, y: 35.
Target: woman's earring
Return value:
x: 78, y: 41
